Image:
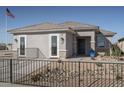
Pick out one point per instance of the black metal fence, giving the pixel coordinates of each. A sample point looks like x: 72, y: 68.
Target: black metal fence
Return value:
x: 49, y: 73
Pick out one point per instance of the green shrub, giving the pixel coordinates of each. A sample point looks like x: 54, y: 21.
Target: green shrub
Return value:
x: 107, y: 53
x: 116, y: 50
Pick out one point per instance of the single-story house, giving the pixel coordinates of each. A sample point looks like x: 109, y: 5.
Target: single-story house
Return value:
x: 62, y: 40
x: 121, y: 44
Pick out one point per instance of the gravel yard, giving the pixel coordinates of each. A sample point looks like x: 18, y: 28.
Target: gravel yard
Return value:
x: 74, y: 74
x: 63, y: 73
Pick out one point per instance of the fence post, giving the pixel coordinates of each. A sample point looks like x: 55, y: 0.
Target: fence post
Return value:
x: 10, y: 70
x: 79, y: 75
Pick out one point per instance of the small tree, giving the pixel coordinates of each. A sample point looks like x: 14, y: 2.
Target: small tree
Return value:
x: 116, y: 51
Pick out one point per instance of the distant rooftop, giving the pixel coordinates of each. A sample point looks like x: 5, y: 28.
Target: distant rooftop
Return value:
x: 121, y: 39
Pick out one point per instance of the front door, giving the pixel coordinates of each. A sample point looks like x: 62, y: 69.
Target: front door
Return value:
x: 54, y: 45
x: 81, y: 46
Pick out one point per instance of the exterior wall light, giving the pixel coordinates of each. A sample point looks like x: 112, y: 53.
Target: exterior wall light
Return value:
x: 62, y: 40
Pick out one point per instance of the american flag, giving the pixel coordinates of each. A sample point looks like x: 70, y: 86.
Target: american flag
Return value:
x: 8, y: 13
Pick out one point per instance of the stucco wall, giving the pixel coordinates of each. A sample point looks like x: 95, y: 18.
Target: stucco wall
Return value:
x: 87, y: 33
x: 62, y: 45
x: 15, y: 44
x: 35, y: 43
x: 40, y: 43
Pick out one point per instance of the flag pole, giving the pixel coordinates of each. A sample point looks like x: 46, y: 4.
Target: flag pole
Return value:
x: 6, y: 29
x: 8, y: 13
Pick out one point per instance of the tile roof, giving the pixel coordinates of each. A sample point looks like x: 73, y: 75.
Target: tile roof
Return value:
x: 106, y: 32
x: 44, y: 27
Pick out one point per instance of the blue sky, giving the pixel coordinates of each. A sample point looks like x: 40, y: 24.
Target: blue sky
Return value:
x: 109, y: 18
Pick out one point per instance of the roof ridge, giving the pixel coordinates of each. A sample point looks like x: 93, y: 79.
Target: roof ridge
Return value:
x: 78, y: 23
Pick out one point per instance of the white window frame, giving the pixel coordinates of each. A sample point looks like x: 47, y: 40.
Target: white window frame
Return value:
x: 50, y: 55
x: 25, y: 36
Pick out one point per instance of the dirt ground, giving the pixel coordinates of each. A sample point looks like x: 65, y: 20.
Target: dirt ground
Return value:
x: 74, y: 74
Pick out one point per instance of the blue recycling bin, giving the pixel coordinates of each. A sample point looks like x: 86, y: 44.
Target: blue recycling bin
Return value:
x: 92, y: 53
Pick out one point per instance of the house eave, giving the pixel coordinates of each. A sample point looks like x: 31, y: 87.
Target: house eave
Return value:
x: 51, y: 30
x: 36, y: 31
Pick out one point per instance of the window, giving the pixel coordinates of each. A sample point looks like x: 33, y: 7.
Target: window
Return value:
x: 22, y: 45
x: 100, y: 41
x: 54, y: 45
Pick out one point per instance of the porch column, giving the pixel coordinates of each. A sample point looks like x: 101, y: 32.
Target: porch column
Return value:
x: 93, y: 43
x: 75, y: 46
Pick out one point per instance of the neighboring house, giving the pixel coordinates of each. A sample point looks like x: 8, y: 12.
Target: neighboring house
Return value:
x: 68, y: 39
x: 6, y: 51
x: 9, y: 46
x: 2, y: 46
x: 121, y: 44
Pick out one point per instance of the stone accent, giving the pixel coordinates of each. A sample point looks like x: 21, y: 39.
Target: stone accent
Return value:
x: 93, y: 45
x: 75, y: 46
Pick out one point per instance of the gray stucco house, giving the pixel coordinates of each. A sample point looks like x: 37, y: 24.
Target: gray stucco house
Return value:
x: 63, y: 40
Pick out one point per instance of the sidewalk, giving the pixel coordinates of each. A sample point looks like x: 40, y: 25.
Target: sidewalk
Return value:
x: 12, y: 85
